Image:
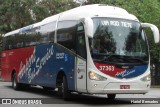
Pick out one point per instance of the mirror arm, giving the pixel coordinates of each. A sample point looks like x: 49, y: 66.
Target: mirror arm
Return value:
x: 88, y: 26
x: 154, y: 30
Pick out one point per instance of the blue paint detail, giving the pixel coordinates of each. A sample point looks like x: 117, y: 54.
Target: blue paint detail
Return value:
x: 26, y: 28
x: 45, y: 66
x: 133, y: 72
x: 66, y: 57
x: 95, y: 51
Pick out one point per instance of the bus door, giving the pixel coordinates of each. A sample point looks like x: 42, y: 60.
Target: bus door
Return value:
x: 81, y: 64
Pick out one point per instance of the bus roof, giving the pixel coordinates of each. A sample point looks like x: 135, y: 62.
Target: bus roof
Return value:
x: 95, y: 10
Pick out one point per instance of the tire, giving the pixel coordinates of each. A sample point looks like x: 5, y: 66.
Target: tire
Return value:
x: 111, y: 96
x: 60, y: 93
x: 48, y: 88
x: 63, y: 89
x: 15, y: 84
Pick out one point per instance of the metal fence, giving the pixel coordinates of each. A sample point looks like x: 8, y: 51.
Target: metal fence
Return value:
x: 155, y: 74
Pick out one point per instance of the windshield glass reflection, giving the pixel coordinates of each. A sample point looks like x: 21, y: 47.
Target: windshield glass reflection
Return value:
x: 118, y: 40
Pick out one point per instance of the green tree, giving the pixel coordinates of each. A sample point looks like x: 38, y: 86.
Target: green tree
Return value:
x: 15, y: 14
x: 57, y: 6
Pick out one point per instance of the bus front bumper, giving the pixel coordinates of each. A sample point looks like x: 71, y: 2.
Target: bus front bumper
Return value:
x: 119, y: 88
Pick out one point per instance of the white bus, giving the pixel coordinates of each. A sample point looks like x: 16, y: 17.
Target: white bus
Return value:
x: 92, y: 49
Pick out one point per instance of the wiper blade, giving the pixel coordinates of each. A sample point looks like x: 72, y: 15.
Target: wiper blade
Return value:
x: 138, y: 59
x: 109, y: 56
x: 119, y: 59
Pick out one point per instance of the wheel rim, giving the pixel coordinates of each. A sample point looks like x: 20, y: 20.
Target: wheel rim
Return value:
x: 62, y: 88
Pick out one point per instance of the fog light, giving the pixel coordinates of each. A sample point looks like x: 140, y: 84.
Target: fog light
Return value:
x: 95, y: 85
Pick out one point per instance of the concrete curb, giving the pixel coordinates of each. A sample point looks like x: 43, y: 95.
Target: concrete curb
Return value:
x: 155, y: 86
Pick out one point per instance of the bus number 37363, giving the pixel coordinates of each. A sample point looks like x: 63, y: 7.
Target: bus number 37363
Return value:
x: 106, y: 68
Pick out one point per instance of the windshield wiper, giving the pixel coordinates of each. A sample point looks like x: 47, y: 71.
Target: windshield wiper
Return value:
x: 138, y: 59
x: 119, y: 59
x: 106, y: 58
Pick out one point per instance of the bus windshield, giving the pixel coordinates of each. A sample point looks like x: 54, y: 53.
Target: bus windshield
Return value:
x: 118, y: 41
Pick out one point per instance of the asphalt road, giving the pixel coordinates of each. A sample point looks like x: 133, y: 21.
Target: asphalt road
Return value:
x: 122, y: 100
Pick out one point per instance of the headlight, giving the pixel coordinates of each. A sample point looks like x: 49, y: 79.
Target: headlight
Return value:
x: 146, y: 78
x: 94, y: 76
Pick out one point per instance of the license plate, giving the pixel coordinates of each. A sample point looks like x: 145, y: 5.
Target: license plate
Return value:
x: 124, y: 86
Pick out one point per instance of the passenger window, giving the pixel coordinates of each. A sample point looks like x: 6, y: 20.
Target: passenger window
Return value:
x: 47, y: 32
x: 66, y: 34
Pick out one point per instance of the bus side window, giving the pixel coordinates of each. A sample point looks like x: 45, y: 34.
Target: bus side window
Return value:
x: 66, y: 34
x: 4, y: 45
x: 46, y: 32
x: 11, y: 42
x: 81, y: 44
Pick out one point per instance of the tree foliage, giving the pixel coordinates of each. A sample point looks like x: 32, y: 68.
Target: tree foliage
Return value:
x: 15, y: 14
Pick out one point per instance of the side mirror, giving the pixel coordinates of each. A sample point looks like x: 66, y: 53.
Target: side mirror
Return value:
x: 88, y: 23
x: 154, y: 30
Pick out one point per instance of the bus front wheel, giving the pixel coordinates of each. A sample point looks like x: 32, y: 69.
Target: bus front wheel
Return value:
x: 66, y: 92
x: 63, y: 89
